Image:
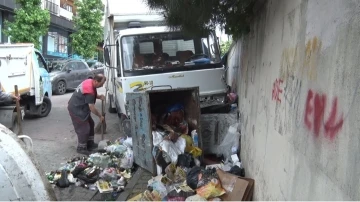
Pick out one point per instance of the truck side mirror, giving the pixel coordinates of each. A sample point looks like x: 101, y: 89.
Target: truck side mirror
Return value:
x: 68, y: 70
x: 107, y: 56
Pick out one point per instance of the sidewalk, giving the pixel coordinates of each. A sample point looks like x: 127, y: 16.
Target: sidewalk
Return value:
x: 137, y: 184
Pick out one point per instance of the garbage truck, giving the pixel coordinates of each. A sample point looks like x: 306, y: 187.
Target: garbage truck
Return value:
x: 21, y: 177
x: 141, y: 53
x: 23, y: 65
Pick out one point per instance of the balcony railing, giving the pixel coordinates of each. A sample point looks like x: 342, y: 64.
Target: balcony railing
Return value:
x: 66, y: 14
x: 52, y: 7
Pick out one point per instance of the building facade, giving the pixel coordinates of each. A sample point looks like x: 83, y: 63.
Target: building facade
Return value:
x: 56, y: 43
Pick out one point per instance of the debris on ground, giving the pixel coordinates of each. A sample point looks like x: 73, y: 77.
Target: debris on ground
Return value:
x: 107, y: 170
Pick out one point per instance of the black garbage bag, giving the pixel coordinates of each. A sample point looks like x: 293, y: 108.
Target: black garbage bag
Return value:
x: 78, y: 169
x: 63, y: 182
x: 192, y: 177
x: 174, y: 193
x: 185, y: 161
x: 236, y: 170
x: 159, y: 158
x: 92, y: 178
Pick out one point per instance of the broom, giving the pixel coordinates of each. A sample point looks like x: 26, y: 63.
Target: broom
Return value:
x: 101, y: 126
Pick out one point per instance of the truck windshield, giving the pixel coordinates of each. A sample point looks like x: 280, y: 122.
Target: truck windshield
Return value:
x: 168, y: 51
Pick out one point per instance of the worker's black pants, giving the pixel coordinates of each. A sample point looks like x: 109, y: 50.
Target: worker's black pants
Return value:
x: 84, y: 130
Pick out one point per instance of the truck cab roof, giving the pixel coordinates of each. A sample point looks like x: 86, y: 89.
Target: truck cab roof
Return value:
x: 144, y: 30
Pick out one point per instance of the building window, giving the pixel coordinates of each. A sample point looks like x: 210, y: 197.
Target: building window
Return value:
x: 68, y: 7
x: 57, y: 45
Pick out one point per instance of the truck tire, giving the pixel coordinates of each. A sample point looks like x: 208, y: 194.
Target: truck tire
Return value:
x: 45, y: 107
x: 60, y: 88
x: 111, y: 110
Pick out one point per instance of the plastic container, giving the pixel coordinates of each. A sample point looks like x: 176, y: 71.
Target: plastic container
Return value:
x: 195, y: 138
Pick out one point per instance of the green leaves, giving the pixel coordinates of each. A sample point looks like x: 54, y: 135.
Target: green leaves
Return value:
x: 198, y: 16
x: 224, y: 47
x: 31, y: 22
x: 89, y: 30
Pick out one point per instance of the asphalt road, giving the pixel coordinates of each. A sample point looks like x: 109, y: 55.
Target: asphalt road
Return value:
x: 54, y: 138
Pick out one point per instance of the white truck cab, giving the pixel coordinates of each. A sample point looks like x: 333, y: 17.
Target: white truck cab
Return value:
x: 142, y: 54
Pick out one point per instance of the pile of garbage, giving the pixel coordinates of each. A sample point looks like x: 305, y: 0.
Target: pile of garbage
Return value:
x: 171, y: 138
x: 185, y: 181
x: 107, y: 170
x: 181, y: 176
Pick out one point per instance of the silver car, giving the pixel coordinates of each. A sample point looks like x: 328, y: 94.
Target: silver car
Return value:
x: 96, y: 67
x: 68, y: 74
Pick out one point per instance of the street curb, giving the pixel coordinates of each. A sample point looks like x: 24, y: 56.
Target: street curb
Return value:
x: 130, y: 186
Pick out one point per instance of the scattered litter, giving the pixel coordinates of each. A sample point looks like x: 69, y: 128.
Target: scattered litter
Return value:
x: 107, y: 170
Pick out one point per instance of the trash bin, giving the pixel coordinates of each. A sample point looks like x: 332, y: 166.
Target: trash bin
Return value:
x: 142, y: 105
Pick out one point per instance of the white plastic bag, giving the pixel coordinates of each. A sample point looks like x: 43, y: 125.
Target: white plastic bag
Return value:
x: 116, y: 148
x: 160, y: 188
x: 170, y: 149
x: 181, y: 144
x: 128, y: 160
x: 128, y: 142
x: 230, y: 142
x: 157, y: 138
x: 102, y: 144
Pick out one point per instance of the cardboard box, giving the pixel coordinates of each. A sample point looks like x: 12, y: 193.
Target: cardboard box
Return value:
x: 237, y: 188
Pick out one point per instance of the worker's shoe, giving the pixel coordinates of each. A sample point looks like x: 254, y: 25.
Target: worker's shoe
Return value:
x: 82, y: 150
x: 91, y: 145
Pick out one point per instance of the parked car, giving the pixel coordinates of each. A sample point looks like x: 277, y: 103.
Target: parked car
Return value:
x: 96, y: 67
x: 68, y: 74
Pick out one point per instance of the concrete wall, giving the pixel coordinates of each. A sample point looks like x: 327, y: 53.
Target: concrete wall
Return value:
x: 299, y: 100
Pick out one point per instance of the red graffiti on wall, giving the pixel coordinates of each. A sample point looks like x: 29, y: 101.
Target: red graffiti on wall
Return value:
x: 277, y: 90
x: 314, y: 115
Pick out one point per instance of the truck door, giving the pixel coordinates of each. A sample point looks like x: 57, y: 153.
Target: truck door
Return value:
x: 44, y: 73
x: 37, y: 80
x: 141, y: 130
x: 118, y: 84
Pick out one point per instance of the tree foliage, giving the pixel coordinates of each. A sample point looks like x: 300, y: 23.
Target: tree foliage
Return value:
x: 89, y: 31
x: 31, y: 22
x: 225, y: 46
x: 200, y: 16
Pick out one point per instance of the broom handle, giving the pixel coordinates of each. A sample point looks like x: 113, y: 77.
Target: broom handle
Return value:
x: 103, y: 123
x: 18, y: 110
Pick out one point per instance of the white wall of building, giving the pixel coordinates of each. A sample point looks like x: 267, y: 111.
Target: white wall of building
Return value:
x: 298, y: 87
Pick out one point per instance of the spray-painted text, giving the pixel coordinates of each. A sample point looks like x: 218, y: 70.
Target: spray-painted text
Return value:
x: 314, y: 115
x: 277, y: 90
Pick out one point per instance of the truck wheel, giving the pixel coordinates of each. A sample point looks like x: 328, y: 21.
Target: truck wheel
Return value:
x: 111, y: 110
x: 60, y: 88
x: 45, y: 107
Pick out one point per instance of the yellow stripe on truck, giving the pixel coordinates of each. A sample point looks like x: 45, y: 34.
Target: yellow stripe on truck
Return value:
x: 136, y: 83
